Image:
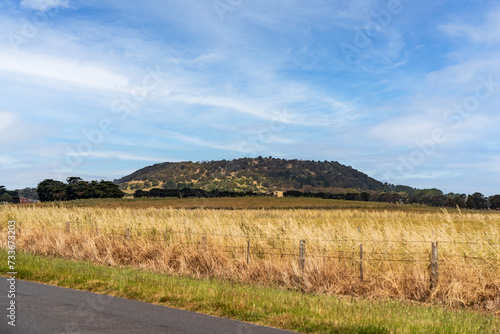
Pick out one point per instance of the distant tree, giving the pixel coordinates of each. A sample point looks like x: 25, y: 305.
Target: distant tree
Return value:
x: 77, y: 188
x: 139, y: 193
x: 364, y: 196
x: 51, y: 190
x: 103, y: 189
x: 389, y: 197
x: 454, y: 200
x: 73, y: 180
x: 2, y: 190
x: 6, y: 197
x: 15, y: 196
x: 438, y: 200
x: 469, y: 203
x: 476, y: 201
x: 495, y: 202
x: 432, y: 192
x: 28, y: 193
x: 351, y: 196
x: 480, y: 202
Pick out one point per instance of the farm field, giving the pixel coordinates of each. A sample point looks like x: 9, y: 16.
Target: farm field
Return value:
x: 358, y: 252
x: 236, y: 203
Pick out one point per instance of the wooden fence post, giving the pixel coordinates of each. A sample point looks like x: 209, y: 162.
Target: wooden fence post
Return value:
x: 434, y: 265
x: 204, y: 243
x: 19, y: 229
x: 361, y: 276
x: 248, y: 251
x: 324, y: 257
x: 127, y: 234
x: 302, y: 255
x: 67, y: 227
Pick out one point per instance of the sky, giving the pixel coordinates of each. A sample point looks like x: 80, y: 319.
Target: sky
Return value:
x: 405, y: 91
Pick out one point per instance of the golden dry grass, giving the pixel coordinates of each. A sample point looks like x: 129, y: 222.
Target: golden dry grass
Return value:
x: 213, y: 243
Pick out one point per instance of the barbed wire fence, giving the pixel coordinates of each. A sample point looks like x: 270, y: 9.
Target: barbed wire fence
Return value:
x: 350, y: 252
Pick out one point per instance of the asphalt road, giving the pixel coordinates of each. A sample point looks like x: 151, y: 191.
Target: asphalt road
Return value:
x: 41, y: 308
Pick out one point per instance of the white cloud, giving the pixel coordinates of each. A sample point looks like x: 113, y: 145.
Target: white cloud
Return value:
x: 8, y: 162
x: 118, y: 155
x: 7, y: 119
x: 205, y: 143
x: 44, y: 5
x: 430, y: 175
x: 87, y: 74
x: 404, y: 131
x: 488, y: 32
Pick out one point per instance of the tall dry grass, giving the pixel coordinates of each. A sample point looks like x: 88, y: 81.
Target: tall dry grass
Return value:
x: 213, y: 243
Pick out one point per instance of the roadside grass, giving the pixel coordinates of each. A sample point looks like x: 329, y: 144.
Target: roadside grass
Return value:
x: 271, y: 306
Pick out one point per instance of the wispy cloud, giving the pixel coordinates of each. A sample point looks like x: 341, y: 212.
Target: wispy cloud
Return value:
x: 488, y: 31
x: 116, y: 155
x: 8, y: 162
x: 7, y: 119
x: 44, y: 5
x: 66, y: 71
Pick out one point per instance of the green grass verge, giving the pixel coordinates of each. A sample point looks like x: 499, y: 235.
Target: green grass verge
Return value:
x: 263, y: 305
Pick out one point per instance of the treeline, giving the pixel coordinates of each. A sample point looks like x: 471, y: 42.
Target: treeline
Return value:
x: 188, y: 192
x: 430, y: 197
x: 75, y: 188
x: 363, y: 196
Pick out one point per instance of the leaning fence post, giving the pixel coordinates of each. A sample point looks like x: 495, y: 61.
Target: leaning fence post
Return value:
x: 361, y: 262
x: 127, y: 233
x: 302, y: 255
x: 67, y: 227
x: 434, y: 265
x: 19, y: 229
x: 248, y: 251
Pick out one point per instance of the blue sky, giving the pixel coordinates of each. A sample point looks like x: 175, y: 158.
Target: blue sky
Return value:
x: 405, y: 91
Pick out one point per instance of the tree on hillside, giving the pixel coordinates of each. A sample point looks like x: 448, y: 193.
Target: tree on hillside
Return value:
x: 2, y: 190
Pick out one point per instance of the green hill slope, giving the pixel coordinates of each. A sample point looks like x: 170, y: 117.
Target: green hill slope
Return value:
x: 255, y: 174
